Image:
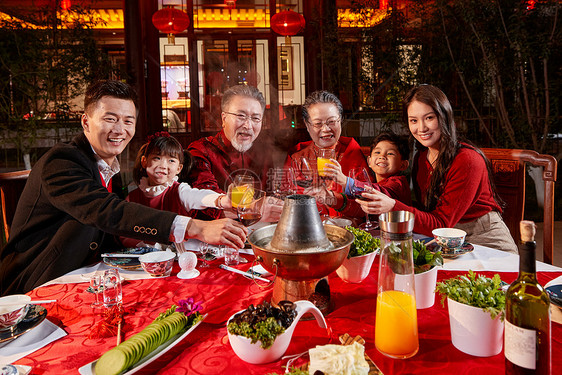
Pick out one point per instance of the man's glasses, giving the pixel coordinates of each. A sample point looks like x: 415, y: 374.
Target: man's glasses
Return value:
x: 242, y: 118
x: 331, y: 123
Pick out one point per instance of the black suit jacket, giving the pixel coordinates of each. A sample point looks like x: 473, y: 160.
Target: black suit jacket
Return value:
x: 62, y: 217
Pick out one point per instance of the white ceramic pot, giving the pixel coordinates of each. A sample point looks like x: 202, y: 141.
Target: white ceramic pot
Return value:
x: 254, y: 353
x: 356, y: 269
x: 425, y: 288
x: 473, y: 331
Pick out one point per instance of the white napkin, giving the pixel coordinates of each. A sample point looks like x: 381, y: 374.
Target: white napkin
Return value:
x: 83, y: 275
x: 40, y: 336
x: 487, y: 259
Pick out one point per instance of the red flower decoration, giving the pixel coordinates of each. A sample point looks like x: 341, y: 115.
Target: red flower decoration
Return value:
x: 188, y: 306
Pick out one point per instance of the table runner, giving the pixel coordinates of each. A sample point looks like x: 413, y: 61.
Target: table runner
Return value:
x: 207, y: 350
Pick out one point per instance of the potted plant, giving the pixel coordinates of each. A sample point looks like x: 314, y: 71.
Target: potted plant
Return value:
x: 361, y: 255
x: 476, y: 306
x: 425, y: 274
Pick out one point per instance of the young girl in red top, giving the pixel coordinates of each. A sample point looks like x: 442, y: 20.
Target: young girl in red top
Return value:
x: 157, y: 167
x: 452, y: 182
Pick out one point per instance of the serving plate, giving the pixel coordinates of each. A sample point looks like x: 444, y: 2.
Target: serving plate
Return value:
x: 132, y: 263
x: 89, y: 369
x: 346, y: 339
x: 35, y: 315
x: 451, y: 253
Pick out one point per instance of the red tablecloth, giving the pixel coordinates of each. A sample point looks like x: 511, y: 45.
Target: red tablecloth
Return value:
x: 207, y: 350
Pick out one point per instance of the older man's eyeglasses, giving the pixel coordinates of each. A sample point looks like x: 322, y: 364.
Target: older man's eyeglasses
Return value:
x: 242, y: 118
x: 331, y: 123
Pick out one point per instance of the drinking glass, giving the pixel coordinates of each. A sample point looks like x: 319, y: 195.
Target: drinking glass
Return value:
x: 112, y: 293
x: 95, y: 284
x: 304, y: 173
x: 323, y: 158
x: 362, y: 183
x: 239, y: 186
x: 204, y: 249
x: 396, y: 322
x: 282, y: 182
x: 249, y: 207
x: 231, y: 256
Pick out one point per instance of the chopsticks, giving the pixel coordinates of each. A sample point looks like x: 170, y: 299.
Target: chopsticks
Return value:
x: 119, y: 255
x: 247, y: 274
x: 119, y: 332
x: 29, y: 303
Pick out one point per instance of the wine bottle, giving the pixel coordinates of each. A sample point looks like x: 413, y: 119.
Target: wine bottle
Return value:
x: 527, y: 335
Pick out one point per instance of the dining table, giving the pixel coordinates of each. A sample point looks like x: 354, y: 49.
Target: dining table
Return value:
x: 207, y: 350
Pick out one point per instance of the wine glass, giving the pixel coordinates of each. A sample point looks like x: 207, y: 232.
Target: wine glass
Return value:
x: 283, y: 182
x: 95, y: 284
x: 239, y: 186
x: 362, y: 182
x: 304, y: 173
x: 204, y: 249
x: 250, y: 206
x: 249, y: 210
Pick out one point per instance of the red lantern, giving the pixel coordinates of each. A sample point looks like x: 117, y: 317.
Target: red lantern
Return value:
x: 170, y: 21
x: 287, y: 23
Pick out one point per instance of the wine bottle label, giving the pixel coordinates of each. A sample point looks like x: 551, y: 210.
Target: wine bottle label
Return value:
x: 520, y: 345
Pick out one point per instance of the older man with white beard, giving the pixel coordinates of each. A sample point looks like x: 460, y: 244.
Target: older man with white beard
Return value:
x: 217, y: 159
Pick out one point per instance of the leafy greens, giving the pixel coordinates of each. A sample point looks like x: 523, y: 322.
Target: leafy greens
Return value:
x: 363, y: 244
x: 475, y: 290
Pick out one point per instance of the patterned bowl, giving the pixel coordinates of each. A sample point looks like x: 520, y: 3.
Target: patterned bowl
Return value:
x: 12, y: 310
x: 449, y: 238
x: 158, y: 263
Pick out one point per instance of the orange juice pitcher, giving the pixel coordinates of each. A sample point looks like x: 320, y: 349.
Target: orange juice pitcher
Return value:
x: 396, y: 324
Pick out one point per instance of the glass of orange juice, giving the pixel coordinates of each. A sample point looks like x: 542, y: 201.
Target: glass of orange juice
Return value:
x: 323, y: 158
x: 239, y: 187
x: 396, y: 321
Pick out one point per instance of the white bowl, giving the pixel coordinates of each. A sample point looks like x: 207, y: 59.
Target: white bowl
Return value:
x: 449, y: 238
x: 254, y: 353
x: 12, y: 310
x: 158, y: 263
x: 356, y: 269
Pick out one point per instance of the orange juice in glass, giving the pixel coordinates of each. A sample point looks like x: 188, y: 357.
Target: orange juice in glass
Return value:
x: 237, y: 194
x: 323, y: 158
x: 396, y: 324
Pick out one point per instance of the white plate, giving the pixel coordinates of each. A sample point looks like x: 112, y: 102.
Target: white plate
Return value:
x: 155, y: 354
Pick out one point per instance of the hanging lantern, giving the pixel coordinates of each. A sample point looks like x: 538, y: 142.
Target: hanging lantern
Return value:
x: 65, y: 4
x: 287, y: 23
x: 170, y: 21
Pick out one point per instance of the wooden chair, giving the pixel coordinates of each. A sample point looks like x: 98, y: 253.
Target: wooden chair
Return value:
x: 11, y: 187
x: 508, y: 167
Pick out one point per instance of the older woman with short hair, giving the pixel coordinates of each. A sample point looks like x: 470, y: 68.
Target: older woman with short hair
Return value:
x: 322, y: 112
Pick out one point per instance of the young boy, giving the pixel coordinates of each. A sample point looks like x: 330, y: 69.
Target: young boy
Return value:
x: 388, y: 157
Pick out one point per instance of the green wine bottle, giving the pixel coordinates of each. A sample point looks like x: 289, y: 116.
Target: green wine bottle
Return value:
x: 527, y: 315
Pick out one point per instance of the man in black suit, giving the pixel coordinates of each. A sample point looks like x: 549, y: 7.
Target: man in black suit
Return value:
x: 67, y: 209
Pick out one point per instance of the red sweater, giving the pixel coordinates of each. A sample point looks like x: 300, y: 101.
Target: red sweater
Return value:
x: 216, y: 162
x: 396, y: 187
x: 466, y: 196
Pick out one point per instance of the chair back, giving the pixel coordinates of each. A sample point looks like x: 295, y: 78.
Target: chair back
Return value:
x: 11, y: 187
x: 508, y: 168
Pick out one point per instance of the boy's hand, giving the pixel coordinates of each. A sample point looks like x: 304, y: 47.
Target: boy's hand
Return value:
x: 333, y: 170
x: 377, y: 202
x: 217, y: 232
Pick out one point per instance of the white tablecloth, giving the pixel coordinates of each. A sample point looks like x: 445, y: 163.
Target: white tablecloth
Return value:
x: 486, y: 259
